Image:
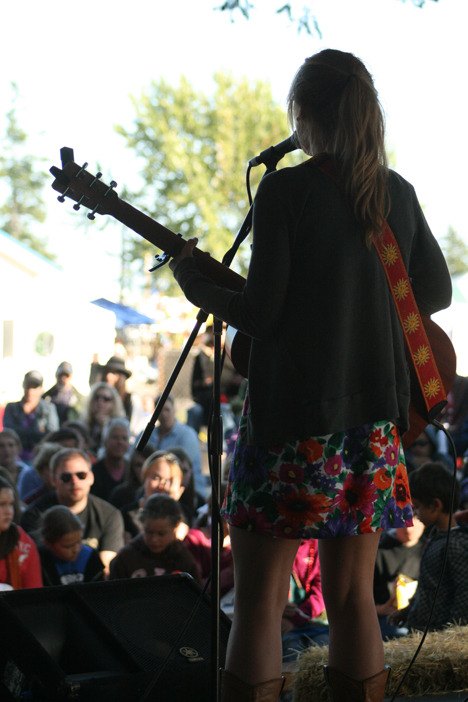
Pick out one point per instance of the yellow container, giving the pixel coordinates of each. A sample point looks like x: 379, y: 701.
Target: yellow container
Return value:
x: 405, y: 588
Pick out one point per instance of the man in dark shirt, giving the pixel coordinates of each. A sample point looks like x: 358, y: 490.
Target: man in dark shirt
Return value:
x: 32, y: 417
x: 66, y: 398
x: 72, y: 478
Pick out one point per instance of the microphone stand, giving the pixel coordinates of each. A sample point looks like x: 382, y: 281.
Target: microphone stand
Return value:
x: 270, y: 159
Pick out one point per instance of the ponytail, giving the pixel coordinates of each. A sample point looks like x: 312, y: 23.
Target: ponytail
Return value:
x: 334, y: 97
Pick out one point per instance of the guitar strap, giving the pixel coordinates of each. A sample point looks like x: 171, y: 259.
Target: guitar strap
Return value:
x: 419, y: 348
x: 417, y: 342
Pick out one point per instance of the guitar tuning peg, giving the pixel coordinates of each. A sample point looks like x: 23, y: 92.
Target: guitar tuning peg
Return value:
x: 81, y: 169
x: 112, y: 185
x: 77, y: 205
x: 96, y: 178
x: 61, y: 198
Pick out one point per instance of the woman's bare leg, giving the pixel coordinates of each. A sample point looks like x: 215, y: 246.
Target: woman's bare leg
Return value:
x: 347, y: 565
x: 262, y: 568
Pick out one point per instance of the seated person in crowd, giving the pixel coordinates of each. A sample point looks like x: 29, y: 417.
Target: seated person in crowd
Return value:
x: 63, y: 394
x: 190, y: 501
x: 456, y: 414
x: 399, y: 554
x: 31, y: 417
x: 65, y: 559
x: 126, y: 493
x: 109, y: 471
x: 80, y: 428
x: 18, y: 505
x: 36, y: 480
x: 10, y: 449
x: 170, y: 433
x: 116, y: 374
x: 102, y: 404
x: 161, y: 473
x: 157, y: 550
x: 198, y: 542
x: 431, y: 445
x: 66, y: 437
x: 202, y: 381
x: 20, y: 566
x: 431, y: 490
x: 72, y: 478
x: 300, y: 628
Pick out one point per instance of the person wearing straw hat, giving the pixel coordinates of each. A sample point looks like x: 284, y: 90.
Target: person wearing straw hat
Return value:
x: 116, y: 374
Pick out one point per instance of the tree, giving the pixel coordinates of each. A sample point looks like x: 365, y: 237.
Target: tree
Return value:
x: 194, y: 149
x: 456, y: 252
x: 302, y: 16
x: 22, y: 184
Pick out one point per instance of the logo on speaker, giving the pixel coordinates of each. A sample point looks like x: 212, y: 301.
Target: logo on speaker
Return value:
x: 191, y: 654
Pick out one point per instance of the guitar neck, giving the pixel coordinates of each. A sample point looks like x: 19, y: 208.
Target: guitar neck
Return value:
x: 86, y: 189
x: 172, y: 244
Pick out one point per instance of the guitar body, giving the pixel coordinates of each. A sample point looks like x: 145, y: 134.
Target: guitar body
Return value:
x: 86, y: 189
x: 446, y: 361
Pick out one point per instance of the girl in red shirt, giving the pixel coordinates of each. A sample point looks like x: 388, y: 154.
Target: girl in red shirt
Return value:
x: 19, y: 559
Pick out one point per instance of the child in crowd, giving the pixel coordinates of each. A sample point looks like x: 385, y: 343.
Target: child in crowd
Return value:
x: 19, y: 560
x: 65, y: 559
x: 157, y: 550
x: 431, y: 489
x: 161, y: 474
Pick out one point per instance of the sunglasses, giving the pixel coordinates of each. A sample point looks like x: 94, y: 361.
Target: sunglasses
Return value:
x: 104, y: 398
x: 66, y: 477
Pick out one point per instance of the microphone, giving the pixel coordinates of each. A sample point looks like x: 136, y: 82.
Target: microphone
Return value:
x: 275, y: 152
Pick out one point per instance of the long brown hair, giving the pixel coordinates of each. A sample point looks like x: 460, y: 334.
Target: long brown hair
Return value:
x: 333, y: 94
x: 9, y: 538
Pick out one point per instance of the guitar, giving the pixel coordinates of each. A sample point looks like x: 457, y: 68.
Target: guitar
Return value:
x: 88, y: 190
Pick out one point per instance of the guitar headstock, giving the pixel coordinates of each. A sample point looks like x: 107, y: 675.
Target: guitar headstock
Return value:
x: 75, y: 182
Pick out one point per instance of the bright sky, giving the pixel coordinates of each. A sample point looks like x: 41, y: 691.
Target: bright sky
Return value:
x: 77, y: 64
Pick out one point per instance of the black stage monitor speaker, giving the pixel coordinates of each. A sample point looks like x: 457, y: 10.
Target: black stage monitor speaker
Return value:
x: 109, y: 641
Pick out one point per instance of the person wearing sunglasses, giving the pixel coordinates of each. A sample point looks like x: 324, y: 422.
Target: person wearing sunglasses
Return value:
x: 102, y: 404
x: 72, y: 479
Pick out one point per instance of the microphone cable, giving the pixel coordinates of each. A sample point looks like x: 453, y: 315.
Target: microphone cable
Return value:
x: 440, y: 426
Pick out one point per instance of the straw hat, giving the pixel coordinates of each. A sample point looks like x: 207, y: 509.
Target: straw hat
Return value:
x: 115, y: 364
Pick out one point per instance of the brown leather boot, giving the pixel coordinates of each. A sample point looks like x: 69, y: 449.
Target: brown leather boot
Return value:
x: 233, y: 689
x: 342, y: 688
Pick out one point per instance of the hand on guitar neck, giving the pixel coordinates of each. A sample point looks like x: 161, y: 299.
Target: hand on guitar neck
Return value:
x: 186, y: 252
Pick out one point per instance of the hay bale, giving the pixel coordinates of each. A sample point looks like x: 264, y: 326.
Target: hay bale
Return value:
x: 441, y: 666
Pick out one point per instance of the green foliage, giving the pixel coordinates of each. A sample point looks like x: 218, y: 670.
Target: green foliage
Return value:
x: 455, y: 252
x: 22, y: 182
x: 194, y: 150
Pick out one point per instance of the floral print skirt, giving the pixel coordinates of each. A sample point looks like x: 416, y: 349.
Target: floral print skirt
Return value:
x: 346, y: 483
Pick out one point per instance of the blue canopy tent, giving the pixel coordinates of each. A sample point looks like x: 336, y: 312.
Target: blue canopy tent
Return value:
x: 123, y: 315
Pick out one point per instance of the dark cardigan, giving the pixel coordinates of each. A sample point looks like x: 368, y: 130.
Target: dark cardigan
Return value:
x: 328, y: 350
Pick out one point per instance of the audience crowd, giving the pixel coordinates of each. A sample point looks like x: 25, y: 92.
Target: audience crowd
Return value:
x: 79, y: 503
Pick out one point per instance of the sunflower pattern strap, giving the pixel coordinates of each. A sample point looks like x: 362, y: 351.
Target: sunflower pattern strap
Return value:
x: 430, y: 382
x: 432, y: 388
